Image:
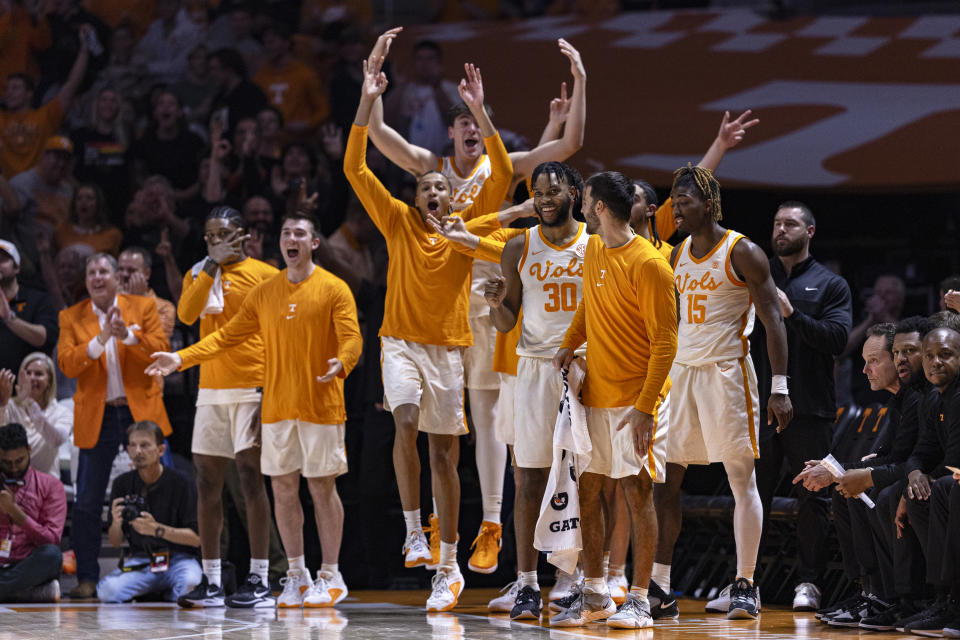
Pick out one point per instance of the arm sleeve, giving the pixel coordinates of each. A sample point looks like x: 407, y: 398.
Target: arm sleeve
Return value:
x: 658, y: 307
x: 486, y: 227
x: 576, y: 333
x: 349, y: 340
x: 828, y: 333
x: 495, y: 187
x: 57, y: 426
x: 925, y: 452
x: 892, y: 467
x: 168, y: 316
x: 193, y: 298
x: 46, y: 316
x: 663, y: 219
x: 380, y: 205
x: 47, y: 527
x: 243, y: 324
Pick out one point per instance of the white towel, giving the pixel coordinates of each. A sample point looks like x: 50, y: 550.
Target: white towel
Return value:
x: 558, y: 527
x: 214, y: 303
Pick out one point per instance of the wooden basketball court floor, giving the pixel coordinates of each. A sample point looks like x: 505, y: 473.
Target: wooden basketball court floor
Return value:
x: 386, y: 615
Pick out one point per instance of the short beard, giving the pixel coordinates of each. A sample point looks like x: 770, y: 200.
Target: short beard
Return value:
x: 791, y: 248
x: 563, y: 215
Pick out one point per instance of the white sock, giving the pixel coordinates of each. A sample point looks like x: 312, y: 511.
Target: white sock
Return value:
x: 436, y: 511
x: 528, y: 579
x: 615, y: 571
x: 491, y: 455
x: 606, y: 563
x: 596, y: 585
x: 298, y: 564
x: 661, y: 575
x: 261, y: 567
x: 639, y: 593
x: 211, y: 569
x: 448, y: 555
x: 331, y: 569
x: 747, y: 514
x: 412, y: 518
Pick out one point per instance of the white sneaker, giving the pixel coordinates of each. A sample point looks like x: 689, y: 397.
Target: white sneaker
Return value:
x: 507, y: 598
x: 416, y: 551
x: 807, y: 597
x: 295, y: 586
x: 565, y: 584
x: 720, y: 604
x: 619, y: 588
x: 447, y: 587
x: 334, y: 585
x: 634, y: 614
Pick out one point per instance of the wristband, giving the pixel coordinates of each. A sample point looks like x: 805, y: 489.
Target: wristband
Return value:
x: 779, y: 385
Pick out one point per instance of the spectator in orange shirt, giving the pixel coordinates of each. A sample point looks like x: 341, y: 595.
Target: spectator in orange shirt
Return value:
x: 88, y: 222
x: 22, y: 33
x: 291, y: 86
x: 23, y: 131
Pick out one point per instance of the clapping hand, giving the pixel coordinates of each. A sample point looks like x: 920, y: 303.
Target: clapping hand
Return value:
x: 6, y: 386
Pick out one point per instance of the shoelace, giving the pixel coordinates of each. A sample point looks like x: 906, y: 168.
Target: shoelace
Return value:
x: 633, y: 605
x: 509, y: 587
x: 439, y: 580
x: 485, y: 530
x: 412, y: 537
x: 526, y: 595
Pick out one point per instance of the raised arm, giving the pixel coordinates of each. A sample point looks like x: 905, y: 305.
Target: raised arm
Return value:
x: 79, y: 68
x: 559, y: 110
x: 559, y: 150
x: 409, y: 157
x: 730, y: 135
x: 750, y: 262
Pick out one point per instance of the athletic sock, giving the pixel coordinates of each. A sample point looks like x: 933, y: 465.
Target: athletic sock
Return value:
x: 261, y: 567
x: 491, y: 515
x: 412, y: 518
x: 298, y: 563
x: 528, y: 579
x: 640, y: 592
x: 615, y: 571
x: 661, y: 575
x: 211, y: 569
x: 448, y: 556
x: 596, y: 585
x: 606, y: 564
x: 332, y: 568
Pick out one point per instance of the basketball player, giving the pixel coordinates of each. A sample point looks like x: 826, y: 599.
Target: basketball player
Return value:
x: 425, y: 325
x: 467, y: 170
x: 307, y: 319
x: 720, y: 276
x: 542, y: 273
x: 227, y: 422
x: 628, y: 318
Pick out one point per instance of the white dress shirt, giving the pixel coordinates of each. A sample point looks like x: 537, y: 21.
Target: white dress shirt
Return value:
x: 115, y: 390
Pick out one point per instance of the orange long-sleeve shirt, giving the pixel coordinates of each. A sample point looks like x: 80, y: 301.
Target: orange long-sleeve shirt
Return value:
x: 24, y: 134
x: 628, y: 318
x: 295, y: 90
x: 242, y: 366
x: 303, y: 325
x: 428, y: 282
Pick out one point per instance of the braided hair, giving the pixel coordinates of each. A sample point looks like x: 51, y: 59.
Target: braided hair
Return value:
x: 566, y: 173
x: 703, y: 181
x: 229, y: 214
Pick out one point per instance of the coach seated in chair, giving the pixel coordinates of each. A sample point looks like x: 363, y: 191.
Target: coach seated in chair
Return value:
x: 154, y: 509
x: 33, y: 508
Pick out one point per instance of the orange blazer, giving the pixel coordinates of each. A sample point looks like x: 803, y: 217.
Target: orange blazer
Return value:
x: 78, y: 325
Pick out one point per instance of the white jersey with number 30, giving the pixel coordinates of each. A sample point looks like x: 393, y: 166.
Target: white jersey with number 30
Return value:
x: 716, y: 313
x: 552, y: 279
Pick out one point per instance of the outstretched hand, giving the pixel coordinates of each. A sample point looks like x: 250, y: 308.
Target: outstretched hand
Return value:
x: 164, y: 363
x: 471, y: 87
x: 335, y: 368
x: 576, y: 63
x: 731, y: 132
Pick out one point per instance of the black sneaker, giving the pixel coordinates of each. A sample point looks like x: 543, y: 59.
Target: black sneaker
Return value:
x: 744, y: 601
x: 837, y: 607
x: 952, y: 628
x: 661, y: 604
x: 252, y: 594
x: 932, y: 609
x: 203, y: 595
x: 852, y: 615
x: 933, y: 624
x: 882, y: 619
x: 527, y: 604
x: 576, y: 592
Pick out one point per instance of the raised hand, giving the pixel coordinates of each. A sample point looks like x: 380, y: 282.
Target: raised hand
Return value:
x: 6, y: 386
x: 164, y: 363
x: 451, y: 227
x: 115, y: 321
x: 164, y: 248
x: 495, y: 291
x: 731, y: 132
x: 576, y: 64
x: 560, y: 107
x: 374, y: 80
x: 471, y: 87
x: 382, y: 47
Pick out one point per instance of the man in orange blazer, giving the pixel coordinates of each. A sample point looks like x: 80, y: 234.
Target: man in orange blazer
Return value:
x: 105, y: 343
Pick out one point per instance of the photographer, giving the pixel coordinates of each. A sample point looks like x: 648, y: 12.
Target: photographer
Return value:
x: 155, y: 509
x: 33, y: 508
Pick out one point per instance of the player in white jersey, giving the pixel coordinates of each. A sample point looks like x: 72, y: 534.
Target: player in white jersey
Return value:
x: 466, y: 170
x: 720, y: 276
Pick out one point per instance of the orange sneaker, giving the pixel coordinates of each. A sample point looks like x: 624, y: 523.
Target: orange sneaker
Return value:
x: 486, y: 548
x: 433, y: 528
x: 69, y: 562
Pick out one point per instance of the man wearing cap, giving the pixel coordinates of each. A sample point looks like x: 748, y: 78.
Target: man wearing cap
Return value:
x: 28, y: 320
x: 44, y: 192
x: 23, y: 129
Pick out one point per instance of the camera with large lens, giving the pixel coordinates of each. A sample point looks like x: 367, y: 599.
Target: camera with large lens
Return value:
x: 131, y: 508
